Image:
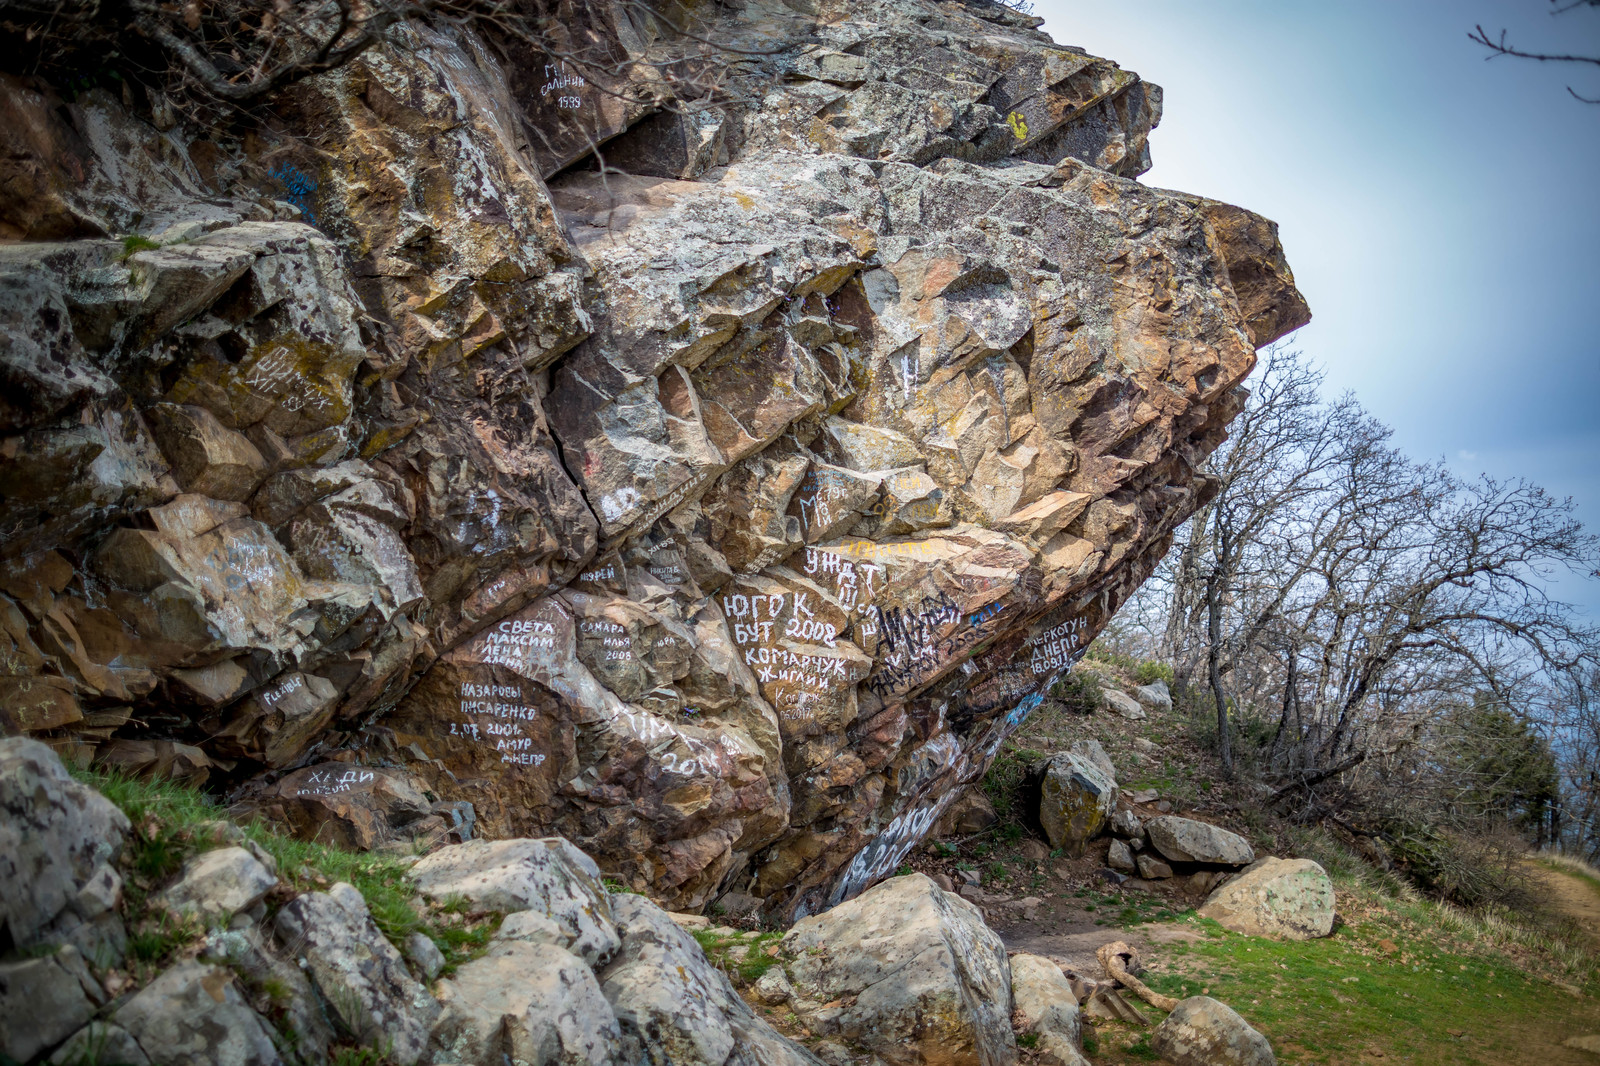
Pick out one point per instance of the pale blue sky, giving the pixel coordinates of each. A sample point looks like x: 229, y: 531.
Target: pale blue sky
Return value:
x: 1441, y: 213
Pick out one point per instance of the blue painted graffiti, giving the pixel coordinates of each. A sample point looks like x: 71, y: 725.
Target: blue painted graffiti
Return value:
x: 298, y: 186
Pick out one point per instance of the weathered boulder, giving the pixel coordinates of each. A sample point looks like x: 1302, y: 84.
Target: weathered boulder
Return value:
x: 1120, y: 857
x: 912, y: 972
x: 43, y: 999
x: 358, y: 973
x: 1044, y: 1002
x: 673, y: 1006
x: 1202, y: 1032
x: 531, y: 1002
x: 1123, y: 704
x: 549, y: 877
x: 1155, y: 695
x: 192, y: 1015
x: 1186, y: 840
x: 1076, y: 799
x: 58, y: 843
x: 217, y: 884
x: 1288, y: 899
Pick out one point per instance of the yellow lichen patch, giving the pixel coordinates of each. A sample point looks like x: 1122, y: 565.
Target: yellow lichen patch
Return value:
x: 295, y: 385
x: 1018, y: 124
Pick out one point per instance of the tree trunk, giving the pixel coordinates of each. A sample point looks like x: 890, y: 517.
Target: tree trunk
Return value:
x: 1214, y: 673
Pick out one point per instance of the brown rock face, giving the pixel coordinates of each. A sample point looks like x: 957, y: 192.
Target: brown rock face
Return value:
x: 723, y: 514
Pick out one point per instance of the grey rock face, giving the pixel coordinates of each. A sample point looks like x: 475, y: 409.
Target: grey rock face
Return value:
x: 1186, y: 840
x: 930, y: 979
x: 533, y: 1002
x: 675, y: 1007
x: 358, y: 973
x: 1202, y: 1032
x: 42, y: 1000
x: 192, y: 1015
x: 58, y: 840
x: 217, y: 884
x: 549, y: 877
x: 1120, y: 856
x: 1075, y: 802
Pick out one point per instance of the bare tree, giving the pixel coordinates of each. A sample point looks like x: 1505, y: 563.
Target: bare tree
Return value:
x: 1346, y: 600
x: 1499, y: 46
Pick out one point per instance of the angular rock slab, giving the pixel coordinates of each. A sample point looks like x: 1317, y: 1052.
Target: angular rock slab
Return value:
x: 1075, y: 801
x: 533, y: 1002
x: 1203, y: 1032
x: 1123, y: 704
x: 42, y: 1000
x: 57, y: 842
x: 549, y: 877
x: 360, y: 975
x: 675, y: 1008
x: 1186, y: 840
x: 1096, y: 753
x: 1155, y: 695
x: 218, y: 884
x: 1287, y: 899
x: 192, y: 1015
x: 930, y: 979
x: 1043, y: 999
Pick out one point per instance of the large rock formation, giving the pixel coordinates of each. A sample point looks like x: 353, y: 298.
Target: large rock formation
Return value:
x: 721, y: 509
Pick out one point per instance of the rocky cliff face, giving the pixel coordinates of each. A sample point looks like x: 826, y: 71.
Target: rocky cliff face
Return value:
x: 391, y: 464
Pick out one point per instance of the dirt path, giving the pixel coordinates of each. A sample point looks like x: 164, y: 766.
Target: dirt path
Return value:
x: 1571, y: 896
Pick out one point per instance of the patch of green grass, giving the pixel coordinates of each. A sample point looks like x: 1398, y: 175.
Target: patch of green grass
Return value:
x: 356, y: 1056
x: 1325, y: 1000
x: 1141, y: 1049
x: 745, y: 970
x: 134, y: 243
x: 169, y: 824
x: 153, y: 941
x: 1091, y: 1043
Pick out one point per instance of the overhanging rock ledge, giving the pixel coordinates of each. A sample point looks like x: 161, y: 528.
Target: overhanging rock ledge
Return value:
x: 392, y: 468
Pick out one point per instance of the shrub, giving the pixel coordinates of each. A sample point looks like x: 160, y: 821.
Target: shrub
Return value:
x: 1150, y: 671
x: 1078, y: 692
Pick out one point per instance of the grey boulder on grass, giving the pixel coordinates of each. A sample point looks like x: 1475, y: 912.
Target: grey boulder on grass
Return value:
x: 1203, y: 1032
x: 1289, y: 899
